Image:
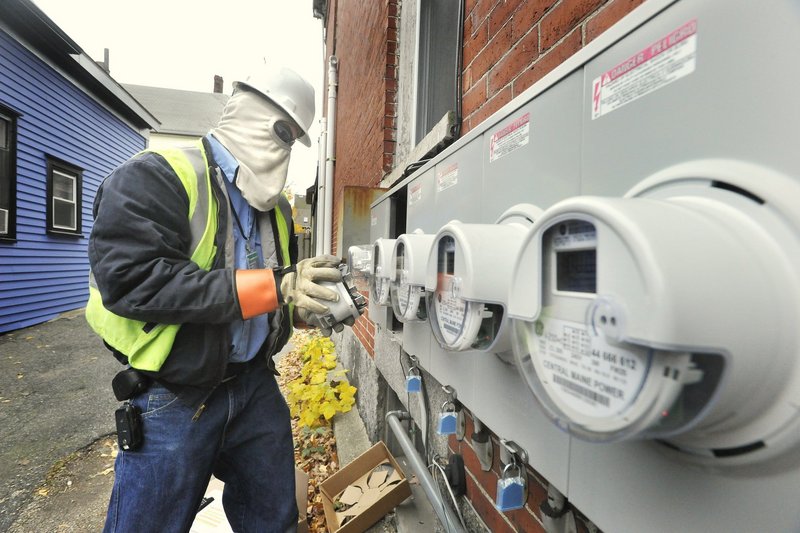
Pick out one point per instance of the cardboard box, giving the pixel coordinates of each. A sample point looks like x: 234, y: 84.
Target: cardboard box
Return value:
x: 212, y: 518
x: 361, y: 493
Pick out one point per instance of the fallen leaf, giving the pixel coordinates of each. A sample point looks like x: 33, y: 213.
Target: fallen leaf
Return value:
x: 43, y: 492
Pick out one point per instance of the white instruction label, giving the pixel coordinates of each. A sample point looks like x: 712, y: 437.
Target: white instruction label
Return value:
x: 450, y: 310
x: 666, y: 60
x: 414, y: 193
x: 446, y: 177
x: 382, y: 289
x: 403, y: 292
x: 584, y: 372
x: 514, y: 135
x: 373, y: 221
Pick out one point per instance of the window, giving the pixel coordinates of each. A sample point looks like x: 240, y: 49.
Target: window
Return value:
x: 437, y: 63
x: 63, y: 198
x: 8, y: 173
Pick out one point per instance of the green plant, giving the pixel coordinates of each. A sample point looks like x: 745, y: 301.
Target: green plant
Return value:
x: 321, y: 391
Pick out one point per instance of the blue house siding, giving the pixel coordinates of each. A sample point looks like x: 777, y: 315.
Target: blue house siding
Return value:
x: 41, y: 274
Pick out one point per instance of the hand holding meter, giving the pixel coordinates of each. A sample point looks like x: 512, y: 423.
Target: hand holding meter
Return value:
x: 349, y: 305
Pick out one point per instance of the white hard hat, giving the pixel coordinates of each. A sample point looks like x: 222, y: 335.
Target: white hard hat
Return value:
x: 287, y: 89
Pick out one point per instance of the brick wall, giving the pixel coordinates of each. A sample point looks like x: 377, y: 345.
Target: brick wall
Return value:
x: 482, y: 490
x: 363, y: 35
x: 511, y: 44
x: 364, y: 330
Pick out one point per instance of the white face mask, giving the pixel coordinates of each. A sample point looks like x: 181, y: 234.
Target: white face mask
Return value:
x: 246, y: 130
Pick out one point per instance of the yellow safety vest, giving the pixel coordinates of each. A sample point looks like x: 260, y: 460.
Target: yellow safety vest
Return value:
x: 148, y: 348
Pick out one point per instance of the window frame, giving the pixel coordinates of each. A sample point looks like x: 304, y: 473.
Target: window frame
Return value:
x: 71, y: 171
x: 10, y: 117
x: 434, y: 45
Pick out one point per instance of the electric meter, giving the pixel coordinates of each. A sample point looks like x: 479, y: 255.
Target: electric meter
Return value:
x: 671, y: 313
x: 382, y: 271
x: 410, y: 257
x: 467, y: 280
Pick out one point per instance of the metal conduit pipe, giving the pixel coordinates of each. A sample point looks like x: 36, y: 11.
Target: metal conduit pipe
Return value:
x: 446, y: 515
x: 319, y: 214
x: 330, y: 153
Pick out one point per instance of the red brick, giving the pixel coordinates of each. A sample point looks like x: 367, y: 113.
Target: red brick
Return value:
x: 524, y: 520
x: 488, y: 479
x: 564, y: 17
x: 525, y: 52
x: 501, y: 14
x: 475, y: 42
x: 482, y: 10
x: 392, y: 9
x: 528, y: 14
x: 485, y: 508
x: 391, y: 34
x: 496, y: 102
x: 388, y: 147
x: 610, y: 14
x: 548, y: 61
x: 491, y: 53
x: 474, y: 98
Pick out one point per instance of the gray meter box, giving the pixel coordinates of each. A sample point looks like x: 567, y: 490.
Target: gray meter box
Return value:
x: 674, y: 83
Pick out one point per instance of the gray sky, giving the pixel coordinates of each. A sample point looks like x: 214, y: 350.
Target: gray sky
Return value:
x: 182, y: 44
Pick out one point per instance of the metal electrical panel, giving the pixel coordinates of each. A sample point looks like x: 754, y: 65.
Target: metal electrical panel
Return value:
x: 643, y: 151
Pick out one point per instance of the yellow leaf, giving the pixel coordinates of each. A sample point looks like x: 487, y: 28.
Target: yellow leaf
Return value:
x: 328, y: 410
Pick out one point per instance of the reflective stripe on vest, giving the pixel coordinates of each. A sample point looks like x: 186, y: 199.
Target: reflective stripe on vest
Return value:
x: 283, y: 212
x: 148, y: 345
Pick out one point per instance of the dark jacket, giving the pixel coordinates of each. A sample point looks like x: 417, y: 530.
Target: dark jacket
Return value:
x: 140, y: 257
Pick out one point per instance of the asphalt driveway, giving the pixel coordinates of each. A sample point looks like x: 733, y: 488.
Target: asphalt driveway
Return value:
x: 55, y: 400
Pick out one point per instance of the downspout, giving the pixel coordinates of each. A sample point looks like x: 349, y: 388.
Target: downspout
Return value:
x: 319, y: 219
x: 330, y: 154
x: 447, y: 517
x: 455, y: 130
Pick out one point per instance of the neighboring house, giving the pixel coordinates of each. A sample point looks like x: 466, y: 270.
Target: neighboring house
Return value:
x: 184, y: 115
x: 64, y: 125
x: 413, y: 77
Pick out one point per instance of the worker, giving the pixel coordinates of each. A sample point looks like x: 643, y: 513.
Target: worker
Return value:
x: 195, y: 286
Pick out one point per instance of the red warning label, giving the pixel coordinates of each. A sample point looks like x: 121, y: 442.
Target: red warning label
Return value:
x: 670, y: 58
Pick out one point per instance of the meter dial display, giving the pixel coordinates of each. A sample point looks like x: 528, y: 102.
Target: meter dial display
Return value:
x: 381, y: 285
x: 458, y: 324
x: 381, y: 271
x: 406, y: 297
x: 592, y: 384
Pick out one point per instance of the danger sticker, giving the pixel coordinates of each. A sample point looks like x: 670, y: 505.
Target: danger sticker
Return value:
x: 447, y: 177
x: 514, y: 135
x: 414, y: 193
x: 663, y: 62
x: 586, y: 373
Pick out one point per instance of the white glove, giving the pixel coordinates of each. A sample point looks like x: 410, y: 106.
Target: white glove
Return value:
x: 301, y: 288
x: 313, y: 320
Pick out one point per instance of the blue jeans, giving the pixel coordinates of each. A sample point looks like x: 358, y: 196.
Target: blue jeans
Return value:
x: 243, y: 437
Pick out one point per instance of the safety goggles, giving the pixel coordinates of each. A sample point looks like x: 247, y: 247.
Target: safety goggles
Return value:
x: 285, y: 132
